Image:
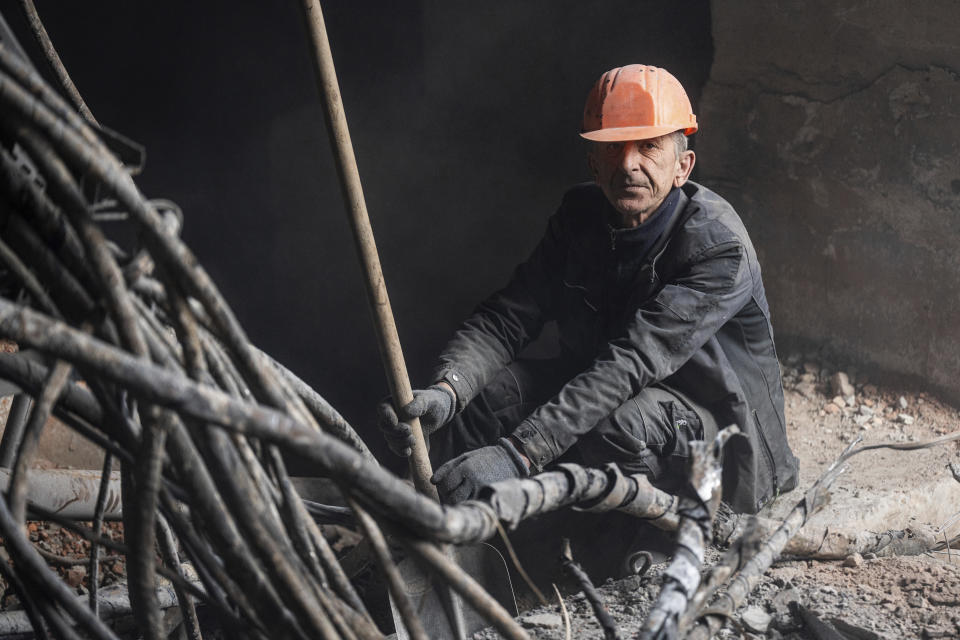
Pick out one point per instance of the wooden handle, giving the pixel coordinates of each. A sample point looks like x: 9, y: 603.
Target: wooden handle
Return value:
x: 387, y: 337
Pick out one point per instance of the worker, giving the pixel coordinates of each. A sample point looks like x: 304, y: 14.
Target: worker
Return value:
x: 664, y: 327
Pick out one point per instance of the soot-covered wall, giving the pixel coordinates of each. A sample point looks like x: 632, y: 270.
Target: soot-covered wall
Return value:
x: 833, y: 127
x: 464, y: 116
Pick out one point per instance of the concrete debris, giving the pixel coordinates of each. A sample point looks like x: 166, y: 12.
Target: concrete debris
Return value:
x: 853, y: 560
x: 756, y: 619
x: 905, y: 418
x: 542, y: 621
x: 840, y: 384
x: 902, y: 402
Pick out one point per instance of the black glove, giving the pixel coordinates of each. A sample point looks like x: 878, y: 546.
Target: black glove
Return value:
x: 461, y: 478
x: 435, y: 406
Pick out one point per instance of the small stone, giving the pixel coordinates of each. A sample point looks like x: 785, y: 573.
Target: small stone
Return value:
x: 75, y: 576
x: 870, y: 389
x: 808, y: 390
x: 865, y: 410
x: 861, y: 420
x: 840, y: 384
x: 853, y: 560
x: 902, y: 402
x: 838, y: 400
x: 756, y: 619
x: 850, y: 400
x: 905, y: 418
x: 832, y: 408
x: 870, y: 556
x: 543, y: 621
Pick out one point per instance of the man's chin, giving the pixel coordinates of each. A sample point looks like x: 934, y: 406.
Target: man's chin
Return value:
x: 631, y: 207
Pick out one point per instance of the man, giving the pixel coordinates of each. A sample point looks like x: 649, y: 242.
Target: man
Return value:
x: 664, y: 326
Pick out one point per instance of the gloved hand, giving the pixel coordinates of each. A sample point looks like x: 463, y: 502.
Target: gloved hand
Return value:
x: 461, y: 478
x: 435, y: 406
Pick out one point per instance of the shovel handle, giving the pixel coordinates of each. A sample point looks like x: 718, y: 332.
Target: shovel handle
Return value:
x: 387, y: 338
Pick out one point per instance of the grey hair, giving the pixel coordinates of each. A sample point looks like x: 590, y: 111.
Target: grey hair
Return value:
x: 680, y: 141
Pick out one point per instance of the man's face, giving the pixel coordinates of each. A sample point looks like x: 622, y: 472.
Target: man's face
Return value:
x: 637, y: 175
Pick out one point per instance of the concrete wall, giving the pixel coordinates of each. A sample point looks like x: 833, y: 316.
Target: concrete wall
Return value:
x: 833, y: 129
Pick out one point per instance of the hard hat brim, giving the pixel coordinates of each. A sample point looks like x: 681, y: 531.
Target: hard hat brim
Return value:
x: 625, y: 134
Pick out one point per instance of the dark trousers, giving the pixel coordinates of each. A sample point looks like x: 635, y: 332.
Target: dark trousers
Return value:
x: 649, y: 433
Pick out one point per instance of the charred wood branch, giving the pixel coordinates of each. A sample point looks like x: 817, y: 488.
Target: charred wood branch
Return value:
x: 827, y: 542
x: 747, y: 570
x: 609, y: 626
x: 697, y: 509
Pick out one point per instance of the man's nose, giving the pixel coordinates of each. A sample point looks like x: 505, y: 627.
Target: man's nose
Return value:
x: 630, y: 157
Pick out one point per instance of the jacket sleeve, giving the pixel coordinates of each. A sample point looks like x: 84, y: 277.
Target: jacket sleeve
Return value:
x: 503, y: 324
x: 663, y: 334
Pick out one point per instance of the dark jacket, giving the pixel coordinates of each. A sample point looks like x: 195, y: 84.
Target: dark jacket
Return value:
x: 691, y: 315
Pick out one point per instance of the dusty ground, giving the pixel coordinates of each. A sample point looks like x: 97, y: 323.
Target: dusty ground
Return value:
x: 885, y: 597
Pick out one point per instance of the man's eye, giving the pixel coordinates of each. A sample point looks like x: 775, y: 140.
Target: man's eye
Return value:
x: 614, y: 147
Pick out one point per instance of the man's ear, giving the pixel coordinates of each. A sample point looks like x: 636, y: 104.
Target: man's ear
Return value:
x: 684, y: 167
x: 592, y: 164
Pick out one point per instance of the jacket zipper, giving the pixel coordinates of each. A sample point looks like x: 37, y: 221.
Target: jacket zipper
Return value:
x: 767, y: 451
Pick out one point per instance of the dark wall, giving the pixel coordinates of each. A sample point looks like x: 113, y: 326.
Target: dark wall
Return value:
x: 464, y: 118
x: 834, y: 131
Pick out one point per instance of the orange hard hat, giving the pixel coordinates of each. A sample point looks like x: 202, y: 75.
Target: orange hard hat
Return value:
x: 636, y: 102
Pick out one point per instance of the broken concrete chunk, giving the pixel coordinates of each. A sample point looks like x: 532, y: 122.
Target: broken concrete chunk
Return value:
x: 902, y: 402
x: 853, y: 560
x: 543, y: 621
x: 905, y: 418
x: 756, y: 619
x: 840, y: 384
x: 808, y: 390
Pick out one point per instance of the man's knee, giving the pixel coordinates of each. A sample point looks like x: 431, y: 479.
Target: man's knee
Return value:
x: 649, y: 434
